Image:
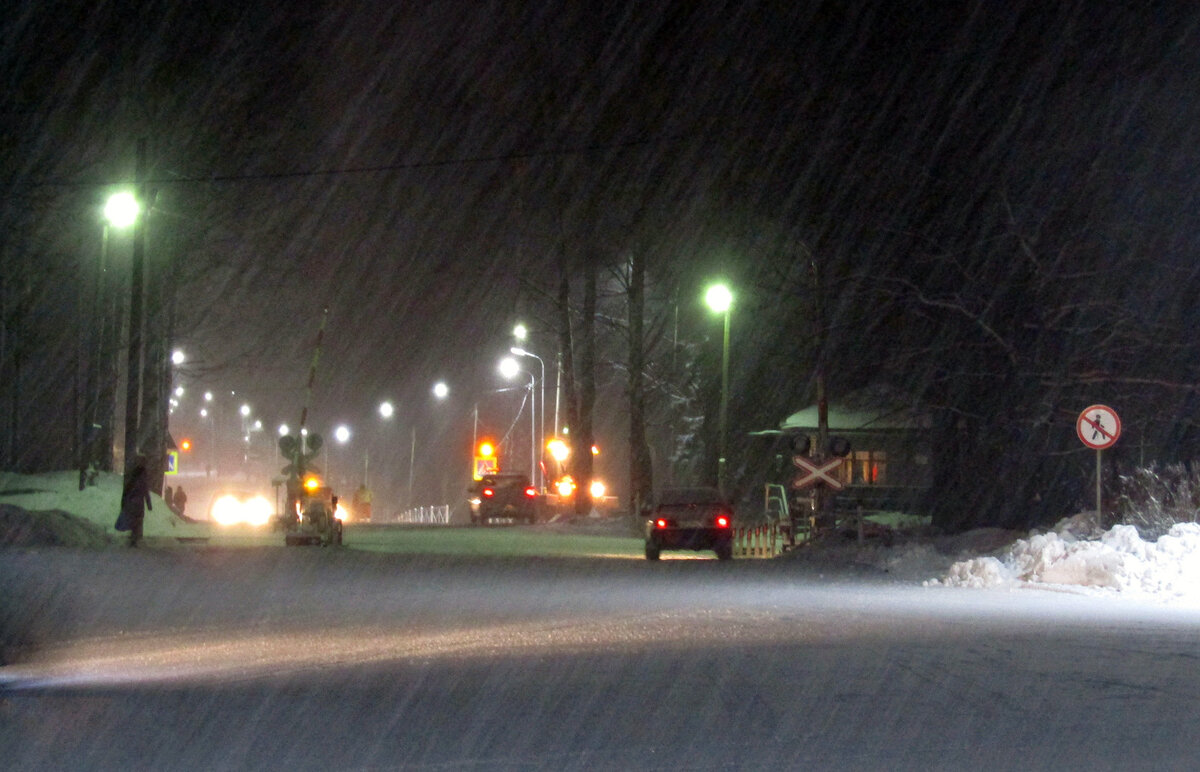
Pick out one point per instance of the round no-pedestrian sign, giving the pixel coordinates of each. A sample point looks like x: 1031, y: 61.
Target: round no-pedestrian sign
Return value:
x: 1098, y: 427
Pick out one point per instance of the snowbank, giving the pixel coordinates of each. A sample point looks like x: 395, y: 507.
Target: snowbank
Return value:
x: 97, y: 505
x: 1116, y: 560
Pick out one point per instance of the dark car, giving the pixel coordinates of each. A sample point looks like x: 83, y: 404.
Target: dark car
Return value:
x: 690, y: 519
x: 503, y: 497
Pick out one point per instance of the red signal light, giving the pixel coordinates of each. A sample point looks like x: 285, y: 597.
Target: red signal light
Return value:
x: 488, y: 493
x: 531, y: 491
x: 722, y: 521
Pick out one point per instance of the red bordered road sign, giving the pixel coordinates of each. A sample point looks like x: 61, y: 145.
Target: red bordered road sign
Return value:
x: 815, y: 472
x: 1098, y: 427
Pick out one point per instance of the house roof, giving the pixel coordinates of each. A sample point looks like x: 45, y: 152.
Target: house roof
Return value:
x: 875, y: 408
x: 848, y: 419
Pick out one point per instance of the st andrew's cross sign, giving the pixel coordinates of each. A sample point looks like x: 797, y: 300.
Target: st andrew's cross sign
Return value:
x: 817, y: 472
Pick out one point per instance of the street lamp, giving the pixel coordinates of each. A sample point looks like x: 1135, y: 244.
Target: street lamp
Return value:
x: 518, y: 351
x: 100, y: 387
x: 386, y: 411
x: 440, y: 391
x: 342, y: 435
x: 720, y: 299
x: 509, y: 368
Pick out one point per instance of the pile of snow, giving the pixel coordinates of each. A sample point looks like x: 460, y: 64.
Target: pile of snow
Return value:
x: 1074, y: 555
x: 96, y: 504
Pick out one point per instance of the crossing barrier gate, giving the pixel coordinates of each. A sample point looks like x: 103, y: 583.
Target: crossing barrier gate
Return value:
x: 761, y: 541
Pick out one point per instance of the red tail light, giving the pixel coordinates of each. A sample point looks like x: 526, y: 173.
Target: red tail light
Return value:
x: 531, y: 491
x: 722, y: 521
x: 488, y: 493
x: 660, y: 523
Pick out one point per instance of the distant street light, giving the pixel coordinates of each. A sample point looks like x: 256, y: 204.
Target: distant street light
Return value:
x: 520, y: 332
x: 720, y: 299
x: 178, y: 357
x: 441, y: 390
x: 386, y: 410
x: 510, y: 368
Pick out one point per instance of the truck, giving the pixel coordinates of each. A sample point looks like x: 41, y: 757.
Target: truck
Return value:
x: 314, y: 519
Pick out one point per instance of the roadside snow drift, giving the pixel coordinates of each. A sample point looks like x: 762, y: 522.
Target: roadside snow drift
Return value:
x: 1119, y: 560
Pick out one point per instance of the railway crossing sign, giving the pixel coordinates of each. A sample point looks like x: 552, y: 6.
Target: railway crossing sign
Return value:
x: 816, y: 472
x: 1098, y: 427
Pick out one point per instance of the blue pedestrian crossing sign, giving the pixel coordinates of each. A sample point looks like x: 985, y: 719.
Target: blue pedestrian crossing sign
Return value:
x: 172, y: 462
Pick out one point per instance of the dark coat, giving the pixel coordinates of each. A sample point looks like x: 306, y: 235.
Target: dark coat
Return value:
x: 135, y: 499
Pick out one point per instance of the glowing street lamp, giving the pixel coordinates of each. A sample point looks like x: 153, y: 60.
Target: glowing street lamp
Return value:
x: 559, y: 450
x: 122, y: 209
x: 720, y: 300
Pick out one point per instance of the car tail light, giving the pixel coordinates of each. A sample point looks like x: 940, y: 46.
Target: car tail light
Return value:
x: 531, y: 491
x: 722, y: 521
x: 488, y: 493
x: 660, y: 523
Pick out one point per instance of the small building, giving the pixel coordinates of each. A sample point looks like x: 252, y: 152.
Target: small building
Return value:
x: 888, y: 464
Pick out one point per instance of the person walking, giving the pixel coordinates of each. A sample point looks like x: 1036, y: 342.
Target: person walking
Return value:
x: 135, y: 500
x: 180, y: 501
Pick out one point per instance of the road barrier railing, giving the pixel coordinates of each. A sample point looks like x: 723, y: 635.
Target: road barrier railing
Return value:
x: 435, y: 515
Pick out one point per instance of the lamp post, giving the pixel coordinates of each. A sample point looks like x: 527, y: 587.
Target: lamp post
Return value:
x: 386, y: 411
x: 120, y: 211
x: 720, y: 299
x: 342, y: 435
x: 509, y: 369
x: 518, y: 351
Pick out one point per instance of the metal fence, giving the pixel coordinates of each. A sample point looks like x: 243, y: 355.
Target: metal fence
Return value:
x: 437, y: 515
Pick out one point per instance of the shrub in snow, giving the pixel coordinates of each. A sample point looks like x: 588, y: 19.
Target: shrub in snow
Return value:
x: 1154, y: 498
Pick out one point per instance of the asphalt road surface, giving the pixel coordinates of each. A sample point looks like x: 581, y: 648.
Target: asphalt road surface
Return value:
x: 270, y: 658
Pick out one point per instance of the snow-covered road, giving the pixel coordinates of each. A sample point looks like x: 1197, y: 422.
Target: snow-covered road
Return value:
x: 314, y: 659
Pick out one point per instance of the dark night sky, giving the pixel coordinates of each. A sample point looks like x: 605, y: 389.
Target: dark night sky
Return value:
x: 421, y: 168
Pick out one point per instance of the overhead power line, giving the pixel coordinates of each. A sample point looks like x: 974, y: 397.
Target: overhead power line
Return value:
x: 348, y: 170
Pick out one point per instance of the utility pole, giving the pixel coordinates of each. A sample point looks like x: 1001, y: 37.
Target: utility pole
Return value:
x: 824, y: 501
